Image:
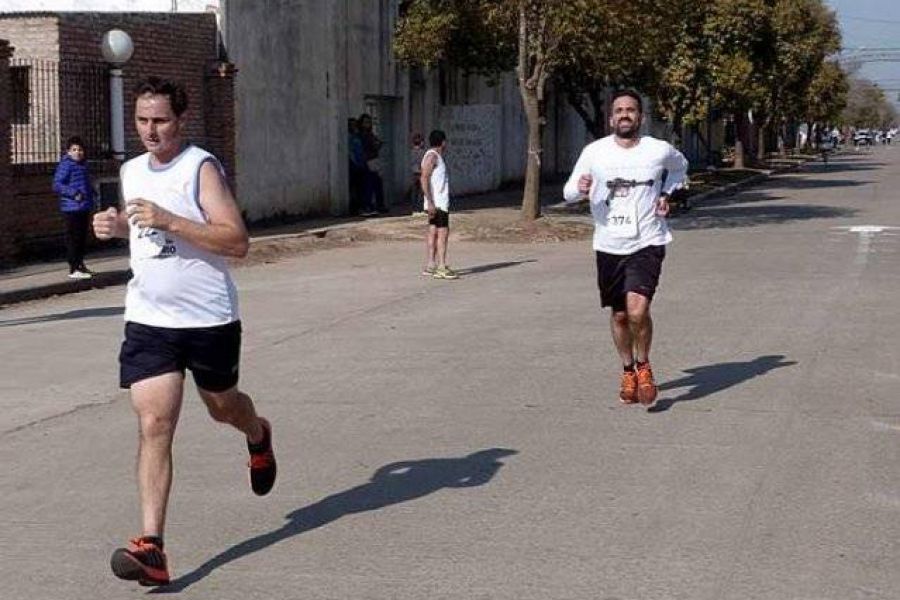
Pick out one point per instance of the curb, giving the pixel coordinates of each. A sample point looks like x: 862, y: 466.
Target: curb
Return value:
x: 99, y: 280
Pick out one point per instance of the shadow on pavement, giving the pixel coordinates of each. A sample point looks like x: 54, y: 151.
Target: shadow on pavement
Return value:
x: 725, y: 217
x: 493, y: 266
x: 711, y: 379
x: 81, y: 313
x: 800, y: 183
x: 391, y: 484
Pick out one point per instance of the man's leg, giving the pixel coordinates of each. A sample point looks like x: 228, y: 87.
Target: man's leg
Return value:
x: 443, y: 234
x: 622, y: 338
x: 157, y: 402
x: 235, y: 408
x: 638, y: 308
x: 430, y: 250
x: 641, y: 324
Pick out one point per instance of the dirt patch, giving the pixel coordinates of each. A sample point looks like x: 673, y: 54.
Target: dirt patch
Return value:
x: 499, y: 225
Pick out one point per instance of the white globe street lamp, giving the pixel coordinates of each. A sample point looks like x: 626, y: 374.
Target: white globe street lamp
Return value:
x: 116, y: 48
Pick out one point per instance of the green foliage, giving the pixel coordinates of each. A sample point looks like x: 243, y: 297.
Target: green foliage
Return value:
x: 826, y: 96
x: 867, y: 106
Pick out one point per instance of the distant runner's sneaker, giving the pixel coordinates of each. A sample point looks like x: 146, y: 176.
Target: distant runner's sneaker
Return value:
x: 445, y: 273
x: 79, y: 275
x: 628, y: 387
x: 646, y: 386
x: 428, y: 271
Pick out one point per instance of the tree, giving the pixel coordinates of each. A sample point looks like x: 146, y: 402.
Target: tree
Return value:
x: 826, y: 96
x: 867, y: 106
x: 488, y: 37
x: 741, y: 52
x: 805, y: 33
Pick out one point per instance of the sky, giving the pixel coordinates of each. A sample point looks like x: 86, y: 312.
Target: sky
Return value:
x: 872, y: 24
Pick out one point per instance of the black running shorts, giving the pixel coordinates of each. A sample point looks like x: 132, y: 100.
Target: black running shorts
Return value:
x: 441, y: 218
x: 212, y: 354
x: 619, y: 274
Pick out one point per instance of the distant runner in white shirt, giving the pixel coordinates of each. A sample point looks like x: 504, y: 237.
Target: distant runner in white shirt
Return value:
x: 628, y: 179
x: 180, y: 309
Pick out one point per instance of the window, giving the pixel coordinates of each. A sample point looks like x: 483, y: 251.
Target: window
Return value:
x: 20, y: 88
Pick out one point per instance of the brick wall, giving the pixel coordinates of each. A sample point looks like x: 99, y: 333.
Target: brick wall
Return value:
x: 7, y: 243
x: 183, y: 47
x: 176, y: 46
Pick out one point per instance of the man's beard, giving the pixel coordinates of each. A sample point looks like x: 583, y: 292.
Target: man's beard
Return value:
x: 629, y: 134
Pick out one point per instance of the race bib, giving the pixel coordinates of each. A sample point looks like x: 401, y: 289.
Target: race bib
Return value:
x: 622, y: 217
x: 152, y: 243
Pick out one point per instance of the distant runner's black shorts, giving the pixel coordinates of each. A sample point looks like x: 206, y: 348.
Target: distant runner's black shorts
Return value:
x: 441, y: 218
x: 211, y: 353
x: 619, y: 274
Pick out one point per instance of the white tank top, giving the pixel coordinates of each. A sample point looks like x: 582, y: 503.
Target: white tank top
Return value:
x: 175, y: 283
x: 440, y: 182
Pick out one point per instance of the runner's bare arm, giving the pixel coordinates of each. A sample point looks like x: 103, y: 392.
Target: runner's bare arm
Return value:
x: 428, y: 165
x: 223, y: 233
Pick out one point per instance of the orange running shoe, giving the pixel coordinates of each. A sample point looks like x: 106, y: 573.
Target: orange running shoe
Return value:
x: 262, y: 462
x: 646, y: 386
x: 628, y: 388
x: 142, y: 561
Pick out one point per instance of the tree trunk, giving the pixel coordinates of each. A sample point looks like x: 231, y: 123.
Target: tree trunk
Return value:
x: 740, y: 134
x: 761, y: 141
x: 531, y: 198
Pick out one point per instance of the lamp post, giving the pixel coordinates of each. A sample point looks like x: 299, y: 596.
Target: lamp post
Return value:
x: 116, y: 48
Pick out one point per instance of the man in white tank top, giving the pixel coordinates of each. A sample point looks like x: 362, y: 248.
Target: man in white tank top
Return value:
x: 181, y: 310
x: 628, y: 178
x: 435, y: 182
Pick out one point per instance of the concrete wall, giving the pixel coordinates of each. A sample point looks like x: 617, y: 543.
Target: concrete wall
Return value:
x: 305, y: 68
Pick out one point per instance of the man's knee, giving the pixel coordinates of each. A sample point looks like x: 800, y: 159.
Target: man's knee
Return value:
x: 620, y: 318
x: 155, y: 425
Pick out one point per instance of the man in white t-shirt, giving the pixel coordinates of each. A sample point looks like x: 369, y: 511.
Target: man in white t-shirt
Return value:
x: 435, y: 181
x: 181, y: 310
x: 628, y: 178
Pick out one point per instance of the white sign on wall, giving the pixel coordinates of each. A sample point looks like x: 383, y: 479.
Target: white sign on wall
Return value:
x: 473, y: 152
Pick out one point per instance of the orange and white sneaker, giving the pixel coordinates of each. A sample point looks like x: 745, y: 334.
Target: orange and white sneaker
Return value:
x: 142, y: 561
x: 646, y: 386
x: 628, y: 387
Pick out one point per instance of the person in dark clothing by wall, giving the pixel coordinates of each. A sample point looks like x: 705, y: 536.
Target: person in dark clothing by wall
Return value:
x: 72, y: 181
x: 373, y: 196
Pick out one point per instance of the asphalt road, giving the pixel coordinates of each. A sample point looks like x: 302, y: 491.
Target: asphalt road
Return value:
x: 463, y: 440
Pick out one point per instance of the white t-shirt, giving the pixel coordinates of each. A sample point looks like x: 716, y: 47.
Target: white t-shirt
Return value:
x: 624, y: 212
x: 440, y: 182
x: 175, y: 283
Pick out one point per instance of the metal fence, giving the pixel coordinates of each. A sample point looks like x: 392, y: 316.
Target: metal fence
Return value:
x: 52, y: 100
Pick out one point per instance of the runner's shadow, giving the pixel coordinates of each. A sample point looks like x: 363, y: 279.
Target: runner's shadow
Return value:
x: 391, y: 484
x: 493, y: 266
x: 711, y: 379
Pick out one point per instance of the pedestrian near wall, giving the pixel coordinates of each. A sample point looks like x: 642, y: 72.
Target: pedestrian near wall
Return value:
x: 72, y: 181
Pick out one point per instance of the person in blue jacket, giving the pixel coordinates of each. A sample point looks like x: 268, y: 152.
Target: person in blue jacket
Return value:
x: 72, y: 181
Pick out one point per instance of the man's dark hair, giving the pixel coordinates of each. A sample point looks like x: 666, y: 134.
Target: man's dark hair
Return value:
x: 436, y: 138
x: 74, y: 141
x: 175, y: 92
x: 630, y: 94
